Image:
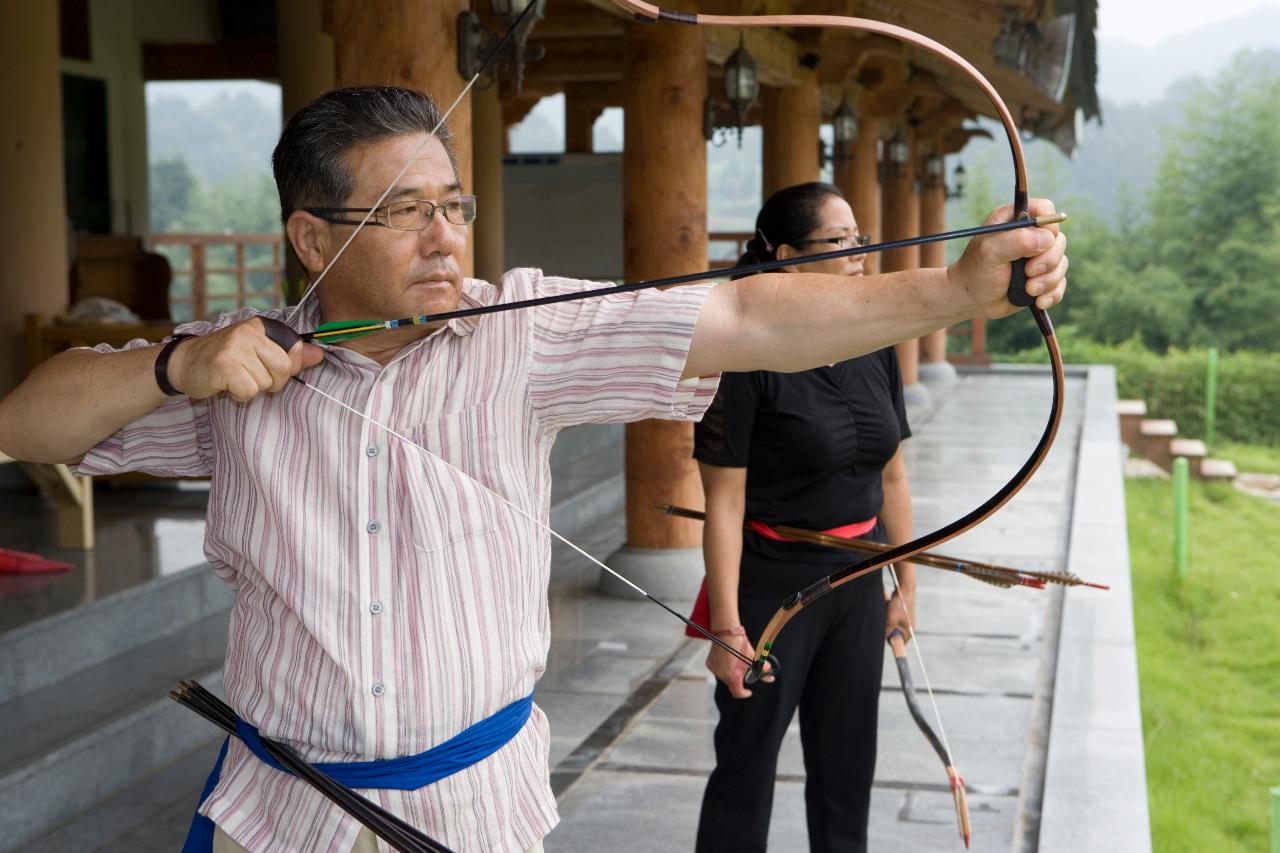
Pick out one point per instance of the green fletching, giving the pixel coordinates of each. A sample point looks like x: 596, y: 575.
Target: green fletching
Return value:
x: 345, y: 330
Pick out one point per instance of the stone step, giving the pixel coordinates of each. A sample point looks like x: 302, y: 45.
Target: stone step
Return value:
x: 52, y: 650
x: 1218, y: 469
x: 1191, y: 449
x: 1156, y: 436
x: 101, y: 730
x: 1131, y: 413
x: 151, y: 814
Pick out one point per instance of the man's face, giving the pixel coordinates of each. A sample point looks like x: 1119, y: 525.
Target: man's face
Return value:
x: 386, y: 273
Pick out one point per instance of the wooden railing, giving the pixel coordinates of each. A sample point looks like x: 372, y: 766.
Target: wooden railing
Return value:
x: 217, y: 274
x: 739, y: 240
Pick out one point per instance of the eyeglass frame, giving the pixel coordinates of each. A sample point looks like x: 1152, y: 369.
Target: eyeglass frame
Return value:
x: 855, y: 240
x: 326, y: 213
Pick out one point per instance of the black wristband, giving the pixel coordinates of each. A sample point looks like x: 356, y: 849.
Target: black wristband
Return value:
x: 162, y: 365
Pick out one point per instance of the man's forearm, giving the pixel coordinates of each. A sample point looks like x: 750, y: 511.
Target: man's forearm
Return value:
x: 796, y: 321
x: 76, y: 399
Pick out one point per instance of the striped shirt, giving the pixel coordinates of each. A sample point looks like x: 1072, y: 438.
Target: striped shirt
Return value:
x: 384, y: 601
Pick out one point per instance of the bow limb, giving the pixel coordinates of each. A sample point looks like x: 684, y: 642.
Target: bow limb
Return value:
x: 939, y: 744
x: 1016, y: 293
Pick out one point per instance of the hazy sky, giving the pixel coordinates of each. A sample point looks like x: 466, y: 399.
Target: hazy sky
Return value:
x: 1146, y: 22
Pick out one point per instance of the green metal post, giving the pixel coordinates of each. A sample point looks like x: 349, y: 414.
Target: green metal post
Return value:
x: 1181, y: 479
x: 1210, y: 396
x: 1275, y: 820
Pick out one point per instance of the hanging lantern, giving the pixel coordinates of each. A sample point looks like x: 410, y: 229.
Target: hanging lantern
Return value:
x: 741, y: 85
x: 899, y: 151
x: 844, y: 124
x: 933, y: 169
x: 956, y: 190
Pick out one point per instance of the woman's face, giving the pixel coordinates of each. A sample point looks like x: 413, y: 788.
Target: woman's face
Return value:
x: 835, y: 220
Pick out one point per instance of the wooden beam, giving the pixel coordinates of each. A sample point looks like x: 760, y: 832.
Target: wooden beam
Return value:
x: 238, y: 60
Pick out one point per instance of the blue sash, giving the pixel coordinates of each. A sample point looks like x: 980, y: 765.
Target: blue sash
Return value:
x: 409, y: 773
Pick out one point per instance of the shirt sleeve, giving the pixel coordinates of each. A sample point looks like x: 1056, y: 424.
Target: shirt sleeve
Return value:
x: 616, y: 358
x: 895, y: 393
x: 723, y: 436
x: 172, y: 440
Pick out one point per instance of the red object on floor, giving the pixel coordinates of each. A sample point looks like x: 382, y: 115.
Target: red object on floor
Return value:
x: 22, y: 563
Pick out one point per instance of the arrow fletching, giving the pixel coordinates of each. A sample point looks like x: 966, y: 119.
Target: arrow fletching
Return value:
x: 344, y: 330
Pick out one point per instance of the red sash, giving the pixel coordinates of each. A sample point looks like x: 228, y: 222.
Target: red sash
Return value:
x: 701, y: 614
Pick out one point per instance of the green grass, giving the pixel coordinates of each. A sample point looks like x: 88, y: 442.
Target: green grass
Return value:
x: 1209, y: 663
x: 1249, y: 457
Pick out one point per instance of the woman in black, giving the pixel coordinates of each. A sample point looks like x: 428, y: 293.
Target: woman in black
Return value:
x: 818, y: 450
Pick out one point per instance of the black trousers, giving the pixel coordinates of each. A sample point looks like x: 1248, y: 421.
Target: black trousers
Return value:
x: 831, y: 656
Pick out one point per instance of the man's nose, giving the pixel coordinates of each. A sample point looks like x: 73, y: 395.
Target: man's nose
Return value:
x: 439, y: 236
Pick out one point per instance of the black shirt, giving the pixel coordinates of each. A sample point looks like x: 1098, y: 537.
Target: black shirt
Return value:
x: 814, y: 444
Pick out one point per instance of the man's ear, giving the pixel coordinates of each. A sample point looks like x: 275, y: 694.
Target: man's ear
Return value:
x: 308, y: 236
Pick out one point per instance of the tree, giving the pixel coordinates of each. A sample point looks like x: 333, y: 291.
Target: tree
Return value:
x: 173, y: 190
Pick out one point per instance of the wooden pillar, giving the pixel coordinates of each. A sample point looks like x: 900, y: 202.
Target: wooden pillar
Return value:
x: 901, y: 210
x: 410, y: 43
x: 933, y: 219
x: 791, y: 118
x: 858, y: 177
x: 580, y: 114
x: 306, y: 71
x: 34, y: 264
x: 664, y: 203
x: 486, y: 148
x: 305, y: 51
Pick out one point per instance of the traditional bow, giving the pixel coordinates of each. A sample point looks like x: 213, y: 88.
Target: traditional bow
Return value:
x: 1017, y: 295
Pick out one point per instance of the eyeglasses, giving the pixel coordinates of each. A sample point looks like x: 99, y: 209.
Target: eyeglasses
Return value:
x: 844, y: 241
x: 412, y: 214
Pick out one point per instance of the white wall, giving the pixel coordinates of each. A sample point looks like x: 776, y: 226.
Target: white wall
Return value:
x: 117, y: 29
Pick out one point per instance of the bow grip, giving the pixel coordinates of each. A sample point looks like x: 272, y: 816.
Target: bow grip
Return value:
x: 1018, y: 277
x: 280, y: 334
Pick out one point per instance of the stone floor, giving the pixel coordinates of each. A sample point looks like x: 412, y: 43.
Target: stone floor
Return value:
x: 636, y: 784
x: 630, y: 705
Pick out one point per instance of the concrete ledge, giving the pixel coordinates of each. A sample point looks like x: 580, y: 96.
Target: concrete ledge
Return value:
x: 45, y: 652
x: 1095, y: 790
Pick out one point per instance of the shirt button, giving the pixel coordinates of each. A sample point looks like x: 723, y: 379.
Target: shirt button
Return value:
x: 371, y: 450
x: 375, y: 607
x: 373, y: 527
x: 378, y: 689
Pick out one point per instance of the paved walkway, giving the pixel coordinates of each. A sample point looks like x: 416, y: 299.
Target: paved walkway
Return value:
x: 622, y: 677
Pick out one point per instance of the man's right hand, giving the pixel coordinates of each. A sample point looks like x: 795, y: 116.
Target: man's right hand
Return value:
x: 240, y: 360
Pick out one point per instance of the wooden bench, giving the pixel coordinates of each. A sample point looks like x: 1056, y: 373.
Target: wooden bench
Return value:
x: 45, y: 339
x: 71, y: 495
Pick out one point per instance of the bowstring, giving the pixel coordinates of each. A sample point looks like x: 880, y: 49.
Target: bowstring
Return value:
x: 522, y: 512
x: 924, y: 671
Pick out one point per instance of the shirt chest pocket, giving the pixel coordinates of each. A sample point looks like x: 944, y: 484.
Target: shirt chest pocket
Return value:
x: 443, y: 506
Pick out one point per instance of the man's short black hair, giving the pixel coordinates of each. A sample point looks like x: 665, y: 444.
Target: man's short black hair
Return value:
x: 308, y: 162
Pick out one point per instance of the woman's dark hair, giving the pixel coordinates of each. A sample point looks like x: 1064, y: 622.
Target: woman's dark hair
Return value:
x: 789, y: 216
x: 309, y: 163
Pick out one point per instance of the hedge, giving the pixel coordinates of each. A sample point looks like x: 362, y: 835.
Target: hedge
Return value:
x: 1173, y: 385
